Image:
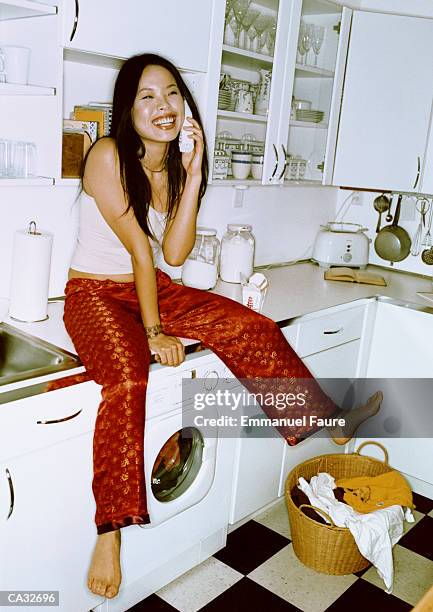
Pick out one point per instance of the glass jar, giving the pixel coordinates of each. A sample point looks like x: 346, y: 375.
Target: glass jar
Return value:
x: 200, y: 270
x: 237, y: 253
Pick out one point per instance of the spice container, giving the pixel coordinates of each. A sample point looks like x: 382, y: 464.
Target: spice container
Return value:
x: 200, y: 270
x: 237, y: 253
x: 220, y: 164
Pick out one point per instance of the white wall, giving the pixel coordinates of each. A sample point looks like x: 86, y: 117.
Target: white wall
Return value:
x: 284, y: 220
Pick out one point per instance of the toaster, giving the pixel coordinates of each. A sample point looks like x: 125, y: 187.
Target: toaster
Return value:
x: 341, y: 244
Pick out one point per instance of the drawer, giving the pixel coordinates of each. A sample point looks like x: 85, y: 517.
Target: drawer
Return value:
x: 39, y: 421
x: 324, y: 332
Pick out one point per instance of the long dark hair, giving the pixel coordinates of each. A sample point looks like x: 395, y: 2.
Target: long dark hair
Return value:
x: 130, y: 148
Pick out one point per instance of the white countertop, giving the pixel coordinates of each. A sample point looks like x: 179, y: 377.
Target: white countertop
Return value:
x: 293, y: 291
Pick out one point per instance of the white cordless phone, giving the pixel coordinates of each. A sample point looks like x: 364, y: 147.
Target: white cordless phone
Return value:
x: 186, y: 144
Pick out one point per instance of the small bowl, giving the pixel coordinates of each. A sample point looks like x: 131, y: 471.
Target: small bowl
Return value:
x: 301, y: 104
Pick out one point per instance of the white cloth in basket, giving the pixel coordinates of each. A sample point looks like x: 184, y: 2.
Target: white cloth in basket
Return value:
x: 375, y: 533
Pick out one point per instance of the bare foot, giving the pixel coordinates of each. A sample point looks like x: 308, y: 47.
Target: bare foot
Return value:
x: 354, y: 418
x: 104, y: 575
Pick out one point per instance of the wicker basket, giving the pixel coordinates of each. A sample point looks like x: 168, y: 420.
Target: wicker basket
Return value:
x: 327, y: 548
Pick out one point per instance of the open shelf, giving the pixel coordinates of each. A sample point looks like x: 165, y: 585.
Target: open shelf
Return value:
x: 309, y: 124
x: 304, y: 183
x: 26, y: 182
x: 242, y: 116
x: 93, y: 59
x: 313, y: 72
x: 21, y: 9
x: 240, y: 58
x: 12, y: 89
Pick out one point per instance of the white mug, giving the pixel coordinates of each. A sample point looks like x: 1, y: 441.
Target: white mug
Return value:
x: 14, y: 64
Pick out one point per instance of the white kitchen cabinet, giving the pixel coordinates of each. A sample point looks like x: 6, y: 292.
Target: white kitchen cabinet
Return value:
x: 47, y: 530
x: 387, y: 102
x: 320, y: 84
x: 31, y: 112
x: 179, y: 31
x: 402, y: 350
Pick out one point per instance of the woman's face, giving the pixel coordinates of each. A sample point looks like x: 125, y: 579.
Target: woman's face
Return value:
x: 158, y: 110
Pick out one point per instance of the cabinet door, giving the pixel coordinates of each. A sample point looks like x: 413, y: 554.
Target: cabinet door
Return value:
x: 47, y: 529
x: 386, y: 102
x: 176, y: 30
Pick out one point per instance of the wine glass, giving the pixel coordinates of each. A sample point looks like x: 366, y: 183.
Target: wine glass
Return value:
x: 318, y: 36
x: 261, y: 25
x: 229, y: 4
x: 248, y: 21
x: 307, y: 39
x: 271, y: 35
x: 240, y: 9
x: 301, y: 49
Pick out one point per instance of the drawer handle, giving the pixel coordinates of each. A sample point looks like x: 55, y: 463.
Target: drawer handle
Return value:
x: 11, y: 493
x: 68, y: 418
x: 333, y: 331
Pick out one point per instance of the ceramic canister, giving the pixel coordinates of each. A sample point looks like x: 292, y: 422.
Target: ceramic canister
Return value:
x: 241, y: 164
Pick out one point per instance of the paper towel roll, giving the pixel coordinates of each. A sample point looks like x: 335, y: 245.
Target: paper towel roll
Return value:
x: 31, y: 261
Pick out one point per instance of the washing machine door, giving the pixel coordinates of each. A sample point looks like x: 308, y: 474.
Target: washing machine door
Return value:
x: 177, y: 464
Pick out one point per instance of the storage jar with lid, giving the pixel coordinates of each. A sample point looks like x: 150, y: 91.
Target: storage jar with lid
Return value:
x: 200, y: 270
x: 237, y: 253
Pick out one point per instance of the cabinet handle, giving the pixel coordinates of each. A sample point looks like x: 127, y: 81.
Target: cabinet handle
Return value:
x: 11, y: 493
x: 285, y: 162
x: 77, y: 14
x: 333, y: 331
x: 68, y: 418
x: 418, y: 172
x: 276, y: 163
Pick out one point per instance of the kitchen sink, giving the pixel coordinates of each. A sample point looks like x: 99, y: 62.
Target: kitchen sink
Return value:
x: 23, y: 356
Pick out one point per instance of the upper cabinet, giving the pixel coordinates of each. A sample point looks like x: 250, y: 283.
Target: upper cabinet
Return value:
x: 387, y: 104
x: 276, y: 54
x: 177, y: 30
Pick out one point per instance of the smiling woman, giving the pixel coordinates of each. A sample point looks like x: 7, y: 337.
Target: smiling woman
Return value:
x: 141, y: 194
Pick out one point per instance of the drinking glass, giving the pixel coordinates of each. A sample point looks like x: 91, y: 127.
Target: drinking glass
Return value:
x: 307, y: 39
x: 269, y: 37
x: 248, y: 21
x: 261, y: 25
x: 240, y: 9
x: 301, y: 49
x: 318, y: 36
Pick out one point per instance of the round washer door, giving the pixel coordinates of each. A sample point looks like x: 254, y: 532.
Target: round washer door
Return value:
x: 177, y: 464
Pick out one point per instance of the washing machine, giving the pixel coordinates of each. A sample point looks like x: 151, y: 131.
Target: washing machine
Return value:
x: 188, y: 484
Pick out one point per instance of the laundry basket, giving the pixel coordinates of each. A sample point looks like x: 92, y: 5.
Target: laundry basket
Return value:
x: 327, y: 548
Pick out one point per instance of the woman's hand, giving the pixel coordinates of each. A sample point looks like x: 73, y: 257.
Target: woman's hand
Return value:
x: 192, y: 161
x: 168, y: 350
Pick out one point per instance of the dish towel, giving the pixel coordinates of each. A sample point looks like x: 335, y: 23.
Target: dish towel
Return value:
x: 375, y: 533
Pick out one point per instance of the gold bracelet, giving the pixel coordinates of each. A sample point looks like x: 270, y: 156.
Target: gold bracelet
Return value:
x: 153, y: 330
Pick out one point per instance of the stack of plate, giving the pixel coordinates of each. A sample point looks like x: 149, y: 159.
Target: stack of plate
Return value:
x: 315, y: 116
x: 224, y: 99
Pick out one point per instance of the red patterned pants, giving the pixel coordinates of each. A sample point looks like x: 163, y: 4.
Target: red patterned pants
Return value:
x: 104, y: 322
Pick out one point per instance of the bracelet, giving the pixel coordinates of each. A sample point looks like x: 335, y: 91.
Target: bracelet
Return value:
x: 153, y: 331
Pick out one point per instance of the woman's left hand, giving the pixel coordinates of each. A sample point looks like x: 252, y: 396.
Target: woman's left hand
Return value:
x: 192, y: 161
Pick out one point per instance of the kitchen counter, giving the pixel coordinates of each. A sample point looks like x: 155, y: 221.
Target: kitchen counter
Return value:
x: 293, y: 291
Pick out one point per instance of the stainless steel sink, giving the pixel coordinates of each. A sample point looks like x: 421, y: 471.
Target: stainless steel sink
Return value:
x: 23, y: 356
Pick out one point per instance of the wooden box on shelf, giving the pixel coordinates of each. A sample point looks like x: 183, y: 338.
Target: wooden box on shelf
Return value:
x: 74, y: 149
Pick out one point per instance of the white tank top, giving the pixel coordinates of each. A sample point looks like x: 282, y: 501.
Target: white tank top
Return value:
x: 98, y: 250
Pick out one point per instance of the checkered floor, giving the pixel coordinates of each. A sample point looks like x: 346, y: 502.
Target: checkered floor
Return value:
x: 258, y: 571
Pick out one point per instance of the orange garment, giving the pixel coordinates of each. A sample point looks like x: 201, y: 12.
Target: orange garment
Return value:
x: 368, y: 493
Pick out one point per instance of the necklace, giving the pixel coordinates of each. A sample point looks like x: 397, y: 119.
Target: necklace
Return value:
x: 156, y: 171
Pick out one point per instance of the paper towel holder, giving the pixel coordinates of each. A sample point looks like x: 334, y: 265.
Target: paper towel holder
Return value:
x: 33, y: 229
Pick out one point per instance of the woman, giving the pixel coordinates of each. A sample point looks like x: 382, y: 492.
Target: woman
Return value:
x: 140, y: 194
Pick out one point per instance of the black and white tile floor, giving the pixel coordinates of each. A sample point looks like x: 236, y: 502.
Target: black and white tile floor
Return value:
x: 258, y: 571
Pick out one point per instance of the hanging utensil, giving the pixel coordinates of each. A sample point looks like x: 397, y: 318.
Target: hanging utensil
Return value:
x: 393, y: 242
x: 422, y: 206
x: 427, y: 256
x: 427, y: 242
x: 388, y: 217
x: 381, y: 204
